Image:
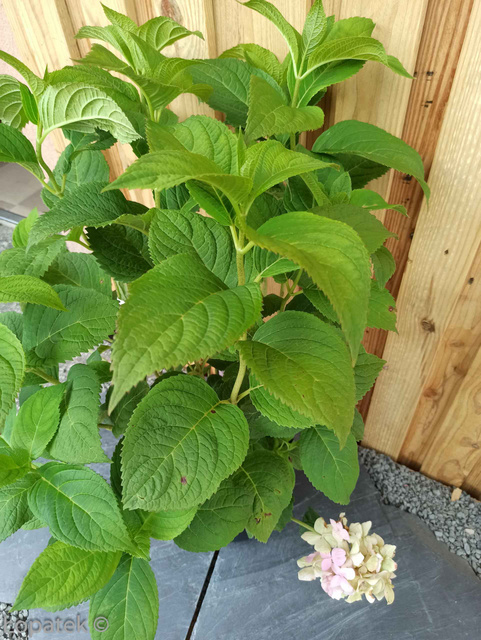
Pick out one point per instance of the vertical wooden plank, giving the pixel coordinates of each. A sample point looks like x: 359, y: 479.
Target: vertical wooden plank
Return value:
x: 443, y: 35
x: 434, y: 280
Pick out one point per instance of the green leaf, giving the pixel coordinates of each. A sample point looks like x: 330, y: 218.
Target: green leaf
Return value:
x: 57, y: 336
x: 349, y: 27
x: 14, y: 463
x: 15, y: 147
x: 83, y: 206
x: 181, y: 444
x: 314, y: 28
x: 33, y: 262
x: 35, y: 83
x: 11, y: 108
x: 290, y: 35
x: 269, y: 264
x: 79, y: 507
x: 198, y: 134
x: 37, y: 420
x: 174, y: 232
x: 121, y: 251
x: 213, y: 202
x: 373, y: 201
x: 270, y: 481
x: 276, y: 410
x: 162, y: 31
x: 384, y: 266
x: 167, y: 525
x: 84, y: 108
x: 130, y: 603
x: 373, y: 144
x: 312, y: 373
x: 202, y: 317
x: 269, y: 113
x: 78, y: 439
x: 119, y: 19
x: 258, y: 57
x: 22, y: 230
x: 371, y: 230
x: 29, y: 289
x: 357, y: 428
x: 311, y: 87
x: 14, y: 511
x: 382, y: 309
x: 333, y: 255
x: 221, y: 518
x: 286, y: 516
x: 354, y: 48
x: 12, y: 369
x: 81, y: 270
x: 321, y: 303
x: 332, y: 470
x: 29, y: 104
x: 122, y: 413
x: 269, y: 163
x: 63, y: 576
x: 367, y: 369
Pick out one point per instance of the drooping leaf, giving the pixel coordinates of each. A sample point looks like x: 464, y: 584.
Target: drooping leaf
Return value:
x: 203, y: 316
x: 382, y: 309
x: 258, y: 57
x: 373, y: 201
x: 33, y: 262
x: 84, y: 108
x: 57, y: 336
x: 77, y: 439
x: 22, y: 229
x: 276, y: 410
x: 130, y: 603
x: 37, y: 421
x: 14, y: 463
x: 384, y: 266
x: 12, y: 369
x: 312, y: 373
x: 15, y: 147
x: 373, y: 144
x: 161, y: 32
x: 35, y: 83
x: 14, y: 511
x: 81, y: 270
x: 335, y: 258
x: 29, y: 289
x: 63, y: 576
x: 181, y: 444
x: 270, y: 114
x: 11, y: 108
x: 367, y: 369
x: 79, y: 507
x: 332, y: 470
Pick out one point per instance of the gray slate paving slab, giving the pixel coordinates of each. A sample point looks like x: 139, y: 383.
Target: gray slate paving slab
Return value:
x: 254, y: 593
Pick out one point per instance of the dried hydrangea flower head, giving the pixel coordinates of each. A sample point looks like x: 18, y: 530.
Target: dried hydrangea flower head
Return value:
x: 350, y: 561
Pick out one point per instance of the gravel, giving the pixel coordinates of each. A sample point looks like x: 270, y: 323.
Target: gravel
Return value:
x: 12, y: 625
x: 457, y: 523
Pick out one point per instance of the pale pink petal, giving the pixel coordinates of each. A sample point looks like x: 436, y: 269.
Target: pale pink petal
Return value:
x: 338, y: 556
x: 326, y: 564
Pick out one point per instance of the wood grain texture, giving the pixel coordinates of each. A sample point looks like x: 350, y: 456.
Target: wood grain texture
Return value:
x: 442, y: 38
x: 435, y: 282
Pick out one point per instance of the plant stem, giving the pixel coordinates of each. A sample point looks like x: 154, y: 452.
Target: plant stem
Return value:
x: 157, y: 198
x: 44, y: 375
x: 241, y: 279
x: 295, y: 95
x: 234, y: 396
x: 58, y: 191
x: 303, y: 524
x: 246, y: 393
x: 290, y: 291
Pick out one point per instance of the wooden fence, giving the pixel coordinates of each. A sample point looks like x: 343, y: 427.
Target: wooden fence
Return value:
x: 426, y: 407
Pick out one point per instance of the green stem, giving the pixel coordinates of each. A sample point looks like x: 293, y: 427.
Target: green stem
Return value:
x: 246, y: 393
x: 241, y: 279
x: 157, y: 198
x: 290, y: 291
x: 38, y: 152
x: 45, y: 376
x: 234, y: 396
x: 104, y: 426
x: 295, y: 95
x: 303, y: 524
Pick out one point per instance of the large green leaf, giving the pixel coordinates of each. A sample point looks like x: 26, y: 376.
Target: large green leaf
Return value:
x: 161, y: 32
x: 373, y: 201
x: 258, y: 57
x: 382, y: 309
x: 57, y: 336
x: 35, y: 83
x: 37, y: 421
x: 29, y: 289
x: 367, y: 369
x: 11, y: 108
x: 12, y: 369
x: 349, y: 27
x: 77, y: 439
x: 333, y: 255
x: 305, y: 363
x: 314, y: 28
x: 332, y: 470
x: 15, y: 147
x: 130, y: 603
x: 81, y: 270
x: 276, y: 410
x: 173, y: 232
x: 122, y: 413
x: 14, y: 463
x: 79, y: 507
x: 33, y: 262
x: 202, y: 317
x: 272, y: 13
x: 182, y: 442
x: 270, y: 481
x: 372, y: 144
x: 83, y: 206
x: 63, y: 576
x: 164, y: 169
x: 167, y: 525
x: 221, y: 518
x: 270, y: 114
x: 14, y: 511
x: 268, y: 163
x: 322, y: 77
x: 384, y: 266
x: 84, y: 108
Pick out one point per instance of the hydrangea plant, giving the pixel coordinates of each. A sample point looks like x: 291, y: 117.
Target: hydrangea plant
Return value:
x: 217, y: 389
